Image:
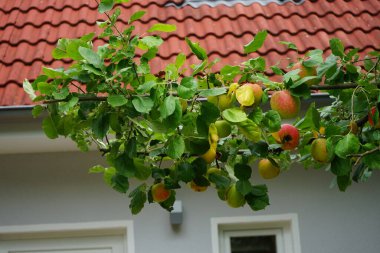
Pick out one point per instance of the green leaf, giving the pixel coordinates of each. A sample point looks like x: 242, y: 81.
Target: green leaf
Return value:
x: 143, y: 104
x: 290, y: 45
x: 188, y: 87
x: 212, y: 92
x: 185, y: 172
x: 234, y: 115
x: 197, y: 49
x: 45, y: 88
x: 100, y: 125
x: 272, y: 121
x: 150, y: 42
x: 350, y: 144
x: 343, y: 182
x: 131, y: 148
x: 221, y: 181
x: 116, y: 100
x: 146, y: 87
x: 176, y: 147
x: 180, y: 60
x: 60, y: 50
x: 372, y: 160
x: 250, y: 130
x: 327, y: 66
x: 162, y: 28
x: 209, y: 113
x: 311, y: 120
x: 259, y: 149
x: 138, y: 199
x: 118, y: 182
x: 137, y: 15
x: 105, y: 5
x: 256, y: 43
x: 37, y: 110
x: 230, y: 72
x: 97, y: 169
x: 244, y: 186
x: 242, y: 171
x: 91, y: 57
x: 340, y: 166
x: 142, y: 172
x: 28, y: 88
x: 167, y: 108
x: 50, y: 128
x: 337, y: 47
x: 72, y: 49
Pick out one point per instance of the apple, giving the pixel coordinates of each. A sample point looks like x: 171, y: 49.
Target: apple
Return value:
x: 267, y: 169
x: 288, y: 136
x: 160, y: 193
x: 234, y: 198
x: 307, y: 71
x: 223, y: 128
x: 196, y: 187
x: 249, y: 94
x: 210, y: 155
x: 285, y: 104
x: 371, y: 115
x: 223, y: 101
x: 319, y: 150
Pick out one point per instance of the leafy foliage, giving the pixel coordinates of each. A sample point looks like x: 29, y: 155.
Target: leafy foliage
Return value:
x: 110, y: 98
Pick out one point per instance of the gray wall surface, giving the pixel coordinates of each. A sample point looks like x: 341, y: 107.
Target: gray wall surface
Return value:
x: 56, y: 188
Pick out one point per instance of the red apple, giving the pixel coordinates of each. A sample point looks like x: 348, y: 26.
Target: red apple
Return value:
x: 307, y: 71
x: 285, y: 104
x: 288, y: 136
x: 160, y: 193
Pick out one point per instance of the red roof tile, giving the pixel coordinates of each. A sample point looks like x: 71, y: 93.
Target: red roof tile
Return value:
x: 29, y: 31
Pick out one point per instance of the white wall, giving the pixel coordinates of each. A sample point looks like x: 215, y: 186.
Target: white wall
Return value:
x: 56, y: 188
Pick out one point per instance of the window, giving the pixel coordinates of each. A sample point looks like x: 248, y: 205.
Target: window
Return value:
x: 256, y: 234
x: 93, y: 237
x: 197, y: 3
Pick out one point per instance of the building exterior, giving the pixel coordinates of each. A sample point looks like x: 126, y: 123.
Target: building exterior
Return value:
x: 49, y: 201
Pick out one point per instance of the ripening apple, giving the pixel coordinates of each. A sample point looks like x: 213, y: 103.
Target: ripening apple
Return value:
x: 371, y: 115
x: 160, y: 193
x: 197, y: 188
x: 234, y: 198
x: 319, y: 150
x: 307, y: 71
x: 249, y: 94
x: 223, y: 127
x: 288, y: 136
x: 267, y: 169
x: 210, y: 155
x: 223, y: 101
x: 285, y: 104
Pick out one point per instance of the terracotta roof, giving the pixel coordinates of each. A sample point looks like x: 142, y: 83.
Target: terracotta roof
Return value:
x: 29, y: 31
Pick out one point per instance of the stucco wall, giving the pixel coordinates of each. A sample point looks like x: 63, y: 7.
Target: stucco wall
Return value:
x: 56, y: 188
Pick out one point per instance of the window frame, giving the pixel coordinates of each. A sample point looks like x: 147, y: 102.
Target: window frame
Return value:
x: 122, y: 228
x: 222, y: 227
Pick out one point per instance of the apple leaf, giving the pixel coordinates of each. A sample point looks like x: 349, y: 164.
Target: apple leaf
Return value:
x: 117, y: 100
x: 185, y: 172
x: 188, y: 88
x: 138, y: 198
x: 340, y: 166
x: 199, y: 52
x: 256, y: 43
x: 137, y: 15
x: 212, y: 92
x: 350, y: 144
x: 143, y: 104
x: 162, y: 28
x: 272, y: 120
x: 234, y: 115
x: 176, y: 147
x: 337, y: 47
x: 50, y: 128
x: 167, y: 108
x: 242, y: 171
x: 250, y: 130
